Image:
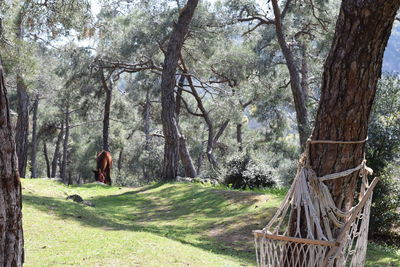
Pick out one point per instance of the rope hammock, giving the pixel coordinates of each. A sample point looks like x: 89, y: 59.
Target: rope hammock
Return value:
x: 310, y: 207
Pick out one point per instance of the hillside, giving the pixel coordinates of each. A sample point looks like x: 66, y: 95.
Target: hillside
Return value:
x: 156, y: 225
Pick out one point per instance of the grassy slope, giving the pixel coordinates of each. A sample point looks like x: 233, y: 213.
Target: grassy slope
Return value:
x: 157, y: 225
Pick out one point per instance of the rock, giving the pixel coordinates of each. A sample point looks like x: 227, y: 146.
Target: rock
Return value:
x: 214, y: 182
x: 79, y: 199
x: 184, y: 179
x: 76, y: 198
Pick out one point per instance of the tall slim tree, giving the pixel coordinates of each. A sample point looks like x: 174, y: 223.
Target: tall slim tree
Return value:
x: 168, y: 83
x: 299, y: 96
x: 56, y: 155
x: 11, y: 236
x: 34, y: 143
x: 22, y: 129
x: 107, y: 87
x: 350, y: 77
x: 64, y: 162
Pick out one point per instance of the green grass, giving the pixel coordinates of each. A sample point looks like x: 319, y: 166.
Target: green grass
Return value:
x: 156, y: 225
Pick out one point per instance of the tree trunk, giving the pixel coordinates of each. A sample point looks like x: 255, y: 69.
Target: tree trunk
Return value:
x: 147, y: 119
x: 22, y: 129
x: 46, y: 157
x: 119, y: 163
x: 239, y: 136
x: 304, y: 73
x: 146, y: 128
x: 210, y: 125
x: 168, y: 82
x: 184, y: 154
x: 295, y: 84
x: 34, y: 137
x: 187, y: 162
x: 211, y: 142
x: 351, y: 73
x: 63, y: 171
x: 349, y: 83
x: 11, y: 234
x: 107, y: 106
x: 199, y: 161
x: 56, y: 156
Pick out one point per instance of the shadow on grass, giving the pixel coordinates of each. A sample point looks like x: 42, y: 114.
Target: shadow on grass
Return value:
x: 174, y: 212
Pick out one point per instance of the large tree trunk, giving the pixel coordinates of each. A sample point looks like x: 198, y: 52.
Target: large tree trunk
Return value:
x: 22, y: 129
x: 107, y: 107
x: 63, y: 170
x: 349, y: 83
x: 56, y: 156
x: 46, y: 158
x: 168, y: 82
x: 11, y: 234
x: 34, y: 137
x: 299, y: 98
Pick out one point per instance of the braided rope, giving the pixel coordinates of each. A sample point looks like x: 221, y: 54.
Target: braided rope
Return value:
x: 311, y: 196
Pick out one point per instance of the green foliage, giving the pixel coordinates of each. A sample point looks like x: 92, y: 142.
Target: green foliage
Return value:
x: 382, y: 154
x: 385, y: 215
x: 243, y: 171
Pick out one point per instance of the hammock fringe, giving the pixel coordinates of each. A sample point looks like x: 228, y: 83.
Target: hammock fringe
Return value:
x: 324, y: 245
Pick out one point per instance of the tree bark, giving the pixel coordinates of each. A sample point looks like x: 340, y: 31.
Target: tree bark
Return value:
x: 147, y: 119
x: 187, y: 162
x: 56, y: 156
x: 351, y: 73
x: 349, y: 82
x: 239, y: 138
x: 119, y: 163
x: 34, y: 137
x: 46, y: 157
x: 304, y: 73
x: 107, y: 107
x: 63, y: 171
x: 168, y: 82
x: 199, y: 161
x: 295, y: 83
x: 11, y: 233
x: 184, y: 154
x: 22, y: 129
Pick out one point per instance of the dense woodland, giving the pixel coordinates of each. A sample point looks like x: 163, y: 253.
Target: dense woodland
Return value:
x: 219, y: 91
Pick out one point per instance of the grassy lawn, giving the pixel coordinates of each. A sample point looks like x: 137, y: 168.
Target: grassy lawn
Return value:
x: 156, y: 225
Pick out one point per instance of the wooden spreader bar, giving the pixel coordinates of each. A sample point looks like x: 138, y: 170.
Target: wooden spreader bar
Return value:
x: 261, y: 233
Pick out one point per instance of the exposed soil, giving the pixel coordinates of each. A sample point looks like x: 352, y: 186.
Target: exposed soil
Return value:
x: 238, y: 196
x: 237, y: 233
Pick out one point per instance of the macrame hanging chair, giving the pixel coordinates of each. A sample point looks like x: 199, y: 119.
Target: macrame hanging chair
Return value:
x: 309, y: 205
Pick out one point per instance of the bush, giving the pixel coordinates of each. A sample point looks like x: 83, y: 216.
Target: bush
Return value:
x: 385, y: 202
x: 243, y: 172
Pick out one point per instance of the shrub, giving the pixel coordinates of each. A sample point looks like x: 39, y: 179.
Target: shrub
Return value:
x: 243, y: 172
x: 385, y: 202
